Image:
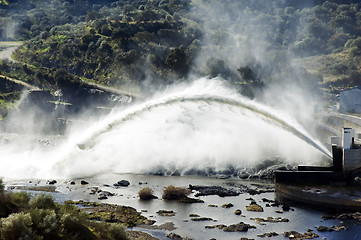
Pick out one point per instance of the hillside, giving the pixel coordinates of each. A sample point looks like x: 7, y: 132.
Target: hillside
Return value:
x: 143, y: 46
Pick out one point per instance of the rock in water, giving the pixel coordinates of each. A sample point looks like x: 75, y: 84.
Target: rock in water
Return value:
x: 122, y: 183
x: 83, y: 182
x: 254, y: 207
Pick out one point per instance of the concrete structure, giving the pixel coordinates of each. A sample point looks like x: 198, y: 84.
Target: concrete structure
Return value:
x: 346, y: 166
x: 350, y: 100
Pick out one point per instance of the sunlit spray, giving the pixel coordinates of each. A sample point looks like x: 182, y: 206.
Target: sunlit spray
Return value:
x: 202, y: 125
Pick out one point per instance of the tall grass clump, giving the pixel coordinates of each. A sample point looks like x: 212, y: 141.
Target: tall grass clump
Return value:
x: 175, y: 193
x: 146, y: 194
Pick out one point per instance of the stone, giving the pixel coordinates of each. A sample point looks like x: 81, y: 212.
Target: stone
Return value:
x: 52, y: 182
x: 227, y: 205
x: 286, y: 208
x: 214, y: 190
x: 271, y: 234
x: 297, y: 235
x: 254, y: 208
x: 122, y: 183
x: 324, y: 229
x: 199, y: 219
x: 166, y: 213
x: 83, y: 182
x: 238, y: 212
x: 239, y: 227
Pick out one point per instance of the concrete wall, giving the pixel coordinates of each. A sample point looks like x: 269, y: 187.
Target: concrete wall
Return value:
x: 350, y: 101
x: 351, y: 159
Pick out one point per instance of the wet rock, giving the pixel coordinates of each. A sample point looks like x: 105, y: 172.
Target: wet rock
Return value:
x: 297, y: 235
x: 114, y: 213
x: 270, y: 219
x: 324, y: 229
x: 83, y: 182
x: 271, y: 234
x: 244, y: 175
x: 166, y: 213
x: 102, y: 197
x: 168, y: 226
x: 227, y: 205
x: 212, y: 205
x: 267, y: 200
x: 254, y: 207
x: 122, y: 183
x: 214, y: 190
x: 239, y: 227
x: 95, y: 190
x: 238, y: 212
x: 328, y: 216
x: 176, y: 237
x: 72, y: 183
x: 52, y: 182
x: 337, y: 229
x: 199, y: 219
x: 190, y: 200
x: 351, y: 216
x: 286, y: 208
x: 219, y: 226
x: 253, y: 192
x: 193, y: 215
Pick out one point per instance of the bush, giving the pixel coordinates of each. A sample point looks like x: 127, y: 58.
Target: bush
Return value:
x: 74, y: 228
x: 2, y: 187
x: 110, y: 231
x: 45, y: 223
x: 175, y: 193
x: 146, y: 194
x: 16, y: 226
x: 42, y: 201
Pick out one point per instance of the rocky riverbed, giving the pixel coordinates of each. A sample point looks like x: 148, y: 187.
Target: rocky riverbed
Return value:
x: 231, y: 208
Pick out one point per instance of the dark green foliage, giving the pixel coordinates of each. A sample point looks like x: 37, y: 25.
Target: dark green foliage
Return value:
x: 41, y: 218
x: 42, y: 201
x: 2, y: 187
x: 177, y: 60
x: 122, y: 43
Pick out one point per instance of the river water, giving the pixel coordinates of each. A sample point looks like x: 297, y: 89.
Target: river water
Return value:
x: 300, y: 218
x: 199, y: 127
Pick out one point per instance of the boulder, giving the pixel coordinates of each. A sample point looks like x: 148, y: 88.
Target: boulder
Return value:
x: 122, y: 183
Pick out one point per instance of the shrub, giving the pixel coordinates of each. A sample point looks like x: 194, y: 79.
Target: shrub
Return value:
x: 16, y: 226
x: 110, y: 231
x: 42, y: 201
x: 45, y: 223
x: 174, y: 193
x: 2, y: 187
x: 146, y: 194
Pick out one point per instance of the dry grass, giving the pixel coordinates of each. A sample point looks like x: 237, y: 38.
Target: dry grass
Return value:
x: 146, y: 194
x: 175, y: 193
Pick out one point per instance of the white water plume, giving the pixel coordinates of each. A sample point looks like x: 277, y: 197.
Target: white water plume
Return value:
x: 203, y: 125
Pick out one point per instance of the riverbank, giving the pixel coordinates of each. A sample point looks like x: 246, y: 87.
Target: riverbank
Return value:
x: 200, y: 220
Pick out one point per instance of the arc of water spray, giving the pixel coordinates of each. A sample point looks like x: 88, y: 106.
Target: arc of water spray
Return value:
x: 209, y: 99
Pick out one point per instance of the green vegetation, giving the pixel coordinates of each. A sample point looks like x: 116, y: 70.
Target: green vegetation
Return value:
x: 137, y: 44
x: 39, y: 217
